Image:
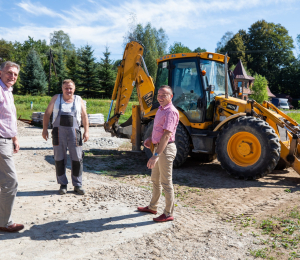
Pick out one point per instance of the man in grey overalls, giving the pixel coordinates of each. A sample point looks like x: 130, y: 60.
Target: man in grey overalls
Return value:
x: 68, y: 111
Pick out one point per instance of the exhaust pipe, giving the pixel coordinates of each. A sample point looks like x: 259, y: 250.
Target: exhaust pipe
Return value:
x: 226, y: 76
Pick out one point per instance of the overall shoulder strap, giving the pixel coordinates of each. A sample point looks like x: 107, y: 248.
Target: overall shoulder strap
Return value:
x: 74, y: 104
x: 60, y: 101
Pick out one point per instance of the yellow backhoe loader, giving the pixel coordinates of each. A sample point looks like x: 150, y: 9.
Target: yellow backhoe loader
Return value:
x: 249, y: 139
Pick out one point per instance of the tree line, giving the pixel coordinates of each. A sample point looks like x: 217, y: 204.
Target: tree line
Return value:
x: 39, y: 76
x: 265, y: 49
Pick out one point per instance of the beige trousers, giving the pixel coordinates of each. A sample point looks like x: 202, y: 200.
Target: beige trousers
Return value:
x: 161, y: 177
x: 8, y: 182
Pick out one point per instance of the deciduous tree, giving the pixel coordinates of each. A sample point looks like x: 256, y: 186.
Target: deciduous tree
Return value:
x: 178, y: 47
x: 225, y: 38
x: 61, y: 39
x: 272, y: 49
x: 153, y: 40
x: 259, y: 89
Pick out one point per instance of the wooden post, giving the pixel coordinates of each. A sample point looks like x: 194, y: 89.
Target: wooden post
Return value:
x: 136, y: 128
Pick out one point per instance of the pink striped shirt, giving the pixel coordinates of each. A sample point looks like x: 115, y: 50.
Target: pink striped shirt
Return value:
x: 8, y: 115
x: 166, y: 118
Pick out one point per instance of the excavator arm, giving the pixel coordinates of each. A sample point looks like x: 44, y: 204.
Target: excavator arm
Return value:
x: 290, y: 149
x: 130, y: 74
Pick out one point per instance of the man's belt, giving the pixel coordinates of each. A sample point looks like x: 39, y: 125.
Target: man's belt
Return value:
x: 5, y: 138
x: 155, y: 145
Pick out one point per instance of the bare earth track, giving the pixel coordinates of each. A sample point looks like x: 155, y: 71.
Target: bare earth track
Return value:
x: 104, y: 224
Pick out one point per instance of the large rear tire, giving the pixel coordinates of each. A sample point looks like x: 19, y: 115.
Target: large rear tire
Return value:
x: 182, y: 142
x: 248, y: 148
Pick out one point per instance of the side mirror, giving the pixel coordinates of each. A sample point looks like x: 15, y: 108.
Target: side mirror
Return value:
x: 240, y: 89
x: 211, y: 89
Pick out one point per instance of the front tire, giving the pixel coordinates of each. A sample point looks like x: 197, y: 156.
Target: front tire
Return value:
x: 248, y: 148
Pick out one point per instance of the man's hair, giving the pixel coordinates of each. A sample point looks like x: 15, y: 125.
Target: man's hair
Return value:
x: 9, y: 64
x: 66, y: 81
x: 167, y: 87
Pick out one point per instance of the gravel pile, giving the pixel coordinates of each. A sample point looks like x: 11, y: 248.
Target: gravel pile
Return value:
x: 119, y: 192
x: 101, y: 143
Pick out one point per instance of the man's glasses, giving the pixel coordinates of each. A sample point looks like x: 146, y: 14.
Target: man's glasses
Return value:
x: 163, y: 96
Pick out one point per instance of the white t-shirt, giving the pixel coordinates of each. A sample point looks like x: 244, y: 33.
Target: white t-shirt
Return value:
x: 67, y: 107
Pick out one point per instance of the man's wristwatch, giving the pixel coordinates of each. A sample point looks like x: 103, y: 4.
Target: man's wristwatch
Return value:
x: 156, y: 154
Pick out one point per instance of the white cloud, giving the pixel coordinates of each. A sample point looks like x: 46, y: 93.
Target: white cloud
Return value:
x: 37, y: 9
x: 98, y: 25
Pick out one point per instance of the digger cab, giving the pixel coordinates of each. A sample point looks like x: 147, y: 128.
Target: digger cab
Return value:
x: 195, y: 79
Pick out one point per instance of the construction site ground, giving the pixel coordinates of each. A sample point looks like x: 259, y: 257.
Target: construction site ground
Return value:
x: 210, y: 207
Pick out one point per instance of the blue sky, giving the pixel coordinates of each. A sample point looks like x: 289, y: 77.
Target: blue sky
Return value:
x: 195, y: 23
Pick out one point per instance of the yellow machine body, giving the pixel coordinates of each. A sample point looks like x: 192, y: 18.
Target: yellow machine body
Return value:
x: 243, y: 148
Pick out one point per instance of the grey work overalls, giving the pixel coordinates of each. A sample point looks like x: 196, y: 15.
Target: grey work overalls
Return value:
x: 66, y: 134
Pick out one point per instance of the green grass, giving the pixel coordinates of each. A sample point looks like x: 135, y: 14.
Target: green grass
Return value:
x: 295, y: 116
x: 93, y: 106
x: 40, y: 104
x: 281, y: 234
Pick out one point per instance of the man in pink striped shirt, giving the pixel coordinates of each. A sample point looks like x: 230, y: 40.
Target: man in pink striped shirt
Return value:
x: 161, y: 163
x: 9, y: 144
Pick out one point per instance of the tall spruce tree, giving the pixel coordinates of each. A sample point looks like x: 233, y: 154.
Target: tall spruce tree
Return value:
x: 107, y: 75
x: 72, y: 67
x: 87, y: 73
x: 60, y: 68
x: 33, y: 77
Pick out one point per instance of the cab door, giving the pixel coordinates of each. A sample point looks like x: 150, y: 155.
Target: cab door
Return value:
x: 187, y: 87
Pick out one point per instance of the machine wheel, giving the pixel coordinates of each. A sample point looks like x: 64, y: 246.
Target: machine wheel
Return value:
x: 182, y: 142
x: 248, y: 148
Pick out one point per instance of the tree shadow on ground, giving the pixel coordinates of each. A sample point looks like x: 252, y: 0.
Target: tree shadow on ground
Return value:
x: 192, y: 173
x: 36, y: 193
x: 62, y: 229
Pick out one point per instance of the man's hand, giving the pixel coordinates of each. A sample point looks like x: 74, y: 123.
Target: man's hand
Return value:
x: 85, y: 136
x: 16, y: 144
x: 152, y: 161
x: 147, y: 142
x: 45, y: 134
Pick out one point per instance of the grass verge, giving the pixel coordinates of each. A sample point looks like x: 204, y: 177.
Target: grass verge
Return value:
x: 279, y: 234
x: 40, y: 104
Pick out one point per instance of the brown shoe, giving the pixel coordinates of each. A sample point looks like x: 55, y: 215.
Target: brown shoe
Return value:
x: 12, y: 228
x: 146, y: 209
x: 163, y: 218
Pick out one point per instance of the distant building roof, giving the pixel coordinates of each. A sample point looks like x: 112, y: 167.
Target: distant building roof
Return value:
x: 270, y: 94
x: 240, y: 72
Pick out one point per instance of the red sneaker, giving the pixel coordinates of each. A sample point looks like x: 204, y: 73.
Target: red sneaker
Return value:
x: 163, y: 218
x: 146, y: 209
x: 12, y: 228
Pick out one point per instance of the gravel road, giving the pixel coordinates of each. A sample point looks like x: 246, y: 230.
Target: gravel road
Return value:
x: 104, y: 223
